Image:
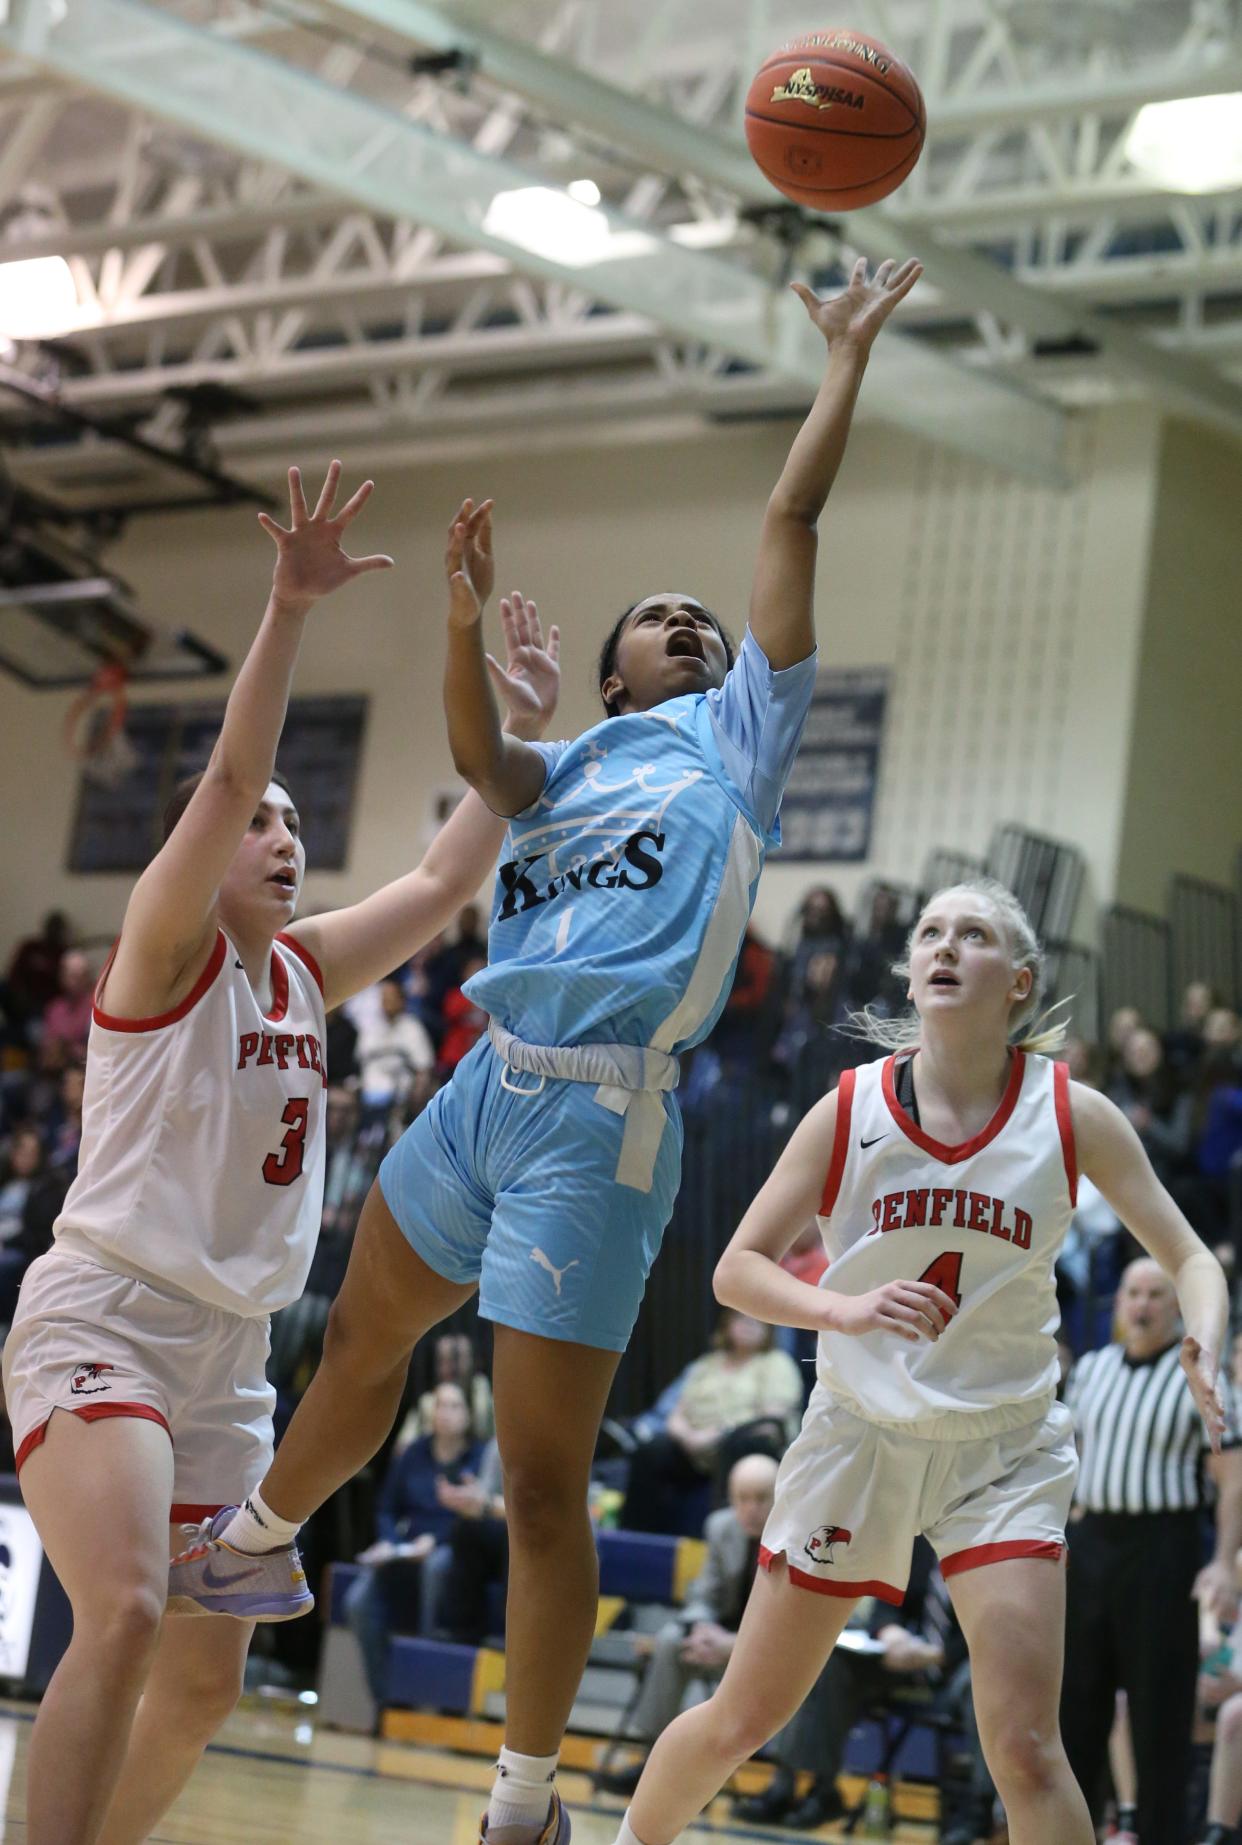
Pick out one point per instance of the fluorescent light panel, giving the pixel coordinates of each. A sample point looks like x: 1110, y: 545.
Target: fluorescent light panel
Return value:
x: 1193, y: 144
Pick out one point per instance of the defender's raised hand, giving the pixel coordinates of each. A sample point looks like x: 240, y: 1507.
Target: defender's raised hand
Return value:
x: 858, y: 313
x: 530, y: 680
x: 469, y: 563
x: 309, y: 559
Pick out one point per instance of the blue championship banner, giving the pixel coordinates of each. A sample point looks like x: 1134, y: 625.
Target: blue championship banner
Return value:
x: 826, y: 812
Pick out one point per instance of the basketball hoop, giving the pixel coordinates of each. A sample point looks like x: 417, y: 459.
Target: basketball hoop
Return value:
x: 95, y: 728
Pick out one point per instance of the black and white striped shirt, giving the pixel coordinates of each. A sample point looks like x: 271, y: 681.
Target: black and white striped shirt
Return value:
x: 1142, y: 1441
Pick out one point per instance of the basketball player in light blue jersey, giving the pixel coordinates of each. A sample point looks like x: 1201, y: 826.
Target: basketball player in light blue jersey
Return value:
x: 544, y: 1174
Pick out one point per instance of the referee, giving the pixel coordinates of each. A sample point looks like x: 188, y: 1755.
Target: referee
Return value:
x: 1136, y: 1545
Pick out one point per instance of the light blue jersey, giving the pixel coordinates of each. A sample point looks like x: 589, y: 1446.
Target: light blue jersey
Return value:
x: 619, y: 912
x: 625, y: 889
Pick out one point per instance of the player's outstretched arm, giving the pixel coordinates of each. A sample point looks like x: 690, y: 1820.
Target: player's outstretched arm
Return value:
x: 356, y: 946
x: 782, y: 597
x: 170, y: 912
x: 1112, y: 1156
x: 749, y: 1276
x: 504, y: 770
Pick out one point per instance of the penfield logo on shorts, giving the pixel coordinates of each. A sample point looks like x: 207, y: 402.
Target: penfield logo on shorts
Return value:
x: 89, y: 1380
x: 819, y: 1545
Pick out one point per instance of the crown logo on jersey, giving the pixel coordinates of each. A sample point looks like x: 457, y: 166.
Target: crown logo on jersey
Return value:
x: 561, y: 841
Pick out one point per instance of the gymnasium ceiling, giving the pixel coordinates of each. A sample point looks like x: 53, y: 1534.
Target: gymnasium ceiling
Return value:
x: 280, y: 219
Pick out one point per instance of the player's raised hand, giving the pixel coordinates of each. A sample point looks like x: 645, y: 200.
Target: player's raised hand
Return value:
x: 529, y: 682
x: 469, y: 563
x: 860, y: 310
x: 310, y: 560
x: 912, y: 1309
x: 1201, y: 1368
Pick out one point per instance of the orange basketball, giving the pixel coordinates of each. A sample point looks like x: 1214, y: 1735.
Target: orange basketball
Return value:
x: 834, y: 120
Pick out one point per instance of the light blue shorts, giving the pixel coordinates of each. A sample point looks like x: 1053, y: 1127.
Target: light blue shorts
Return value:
x: 512, y: 1186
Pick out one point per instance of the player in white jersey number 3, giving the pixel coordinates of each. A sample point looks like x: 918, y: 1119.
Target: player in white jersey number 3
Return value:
x: 134, y: 1372
x: 944, y: 1178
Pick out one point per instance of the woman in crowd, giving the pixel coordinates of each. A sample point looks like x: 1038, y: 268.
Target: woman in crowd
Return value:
x: 742, y: 1397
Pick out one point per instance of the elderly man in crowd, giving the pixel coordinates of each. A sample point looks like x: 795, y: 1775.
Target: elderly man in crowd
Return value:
x: 698, y: 1643
x: 1136, y: 1551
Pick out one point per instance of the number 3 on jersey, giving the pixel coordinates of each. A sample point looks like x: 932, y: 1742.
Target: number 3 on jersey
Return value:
x: 945, y: 1273
x: 284, y: 1167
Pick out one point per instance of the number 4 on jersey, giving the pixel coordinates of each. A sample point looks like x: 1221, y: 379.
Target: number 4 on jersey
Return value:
x: 945, y: 1273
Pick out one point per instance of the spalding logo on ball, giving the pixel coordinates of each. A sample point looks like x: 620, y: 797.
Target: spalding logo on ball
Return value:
x: 835, y: 121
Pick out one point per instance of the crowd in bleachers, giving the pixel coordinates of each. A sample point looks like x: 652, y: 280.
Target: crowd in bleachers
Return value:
x: 432, y: 1537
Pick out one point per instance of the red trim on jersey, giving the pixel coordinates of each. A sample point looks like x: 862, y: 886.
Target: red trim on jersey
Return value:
x: 280, y: 990
x: 976, y: 1555
x: 91, y: 1412
x: 179, y: 1514
x: 1065, y: 1122
x: 840, y: 1143
x: 953, y: 1156
x: 854, y: 1590
x: 304, y: 955
x: 214, y: 964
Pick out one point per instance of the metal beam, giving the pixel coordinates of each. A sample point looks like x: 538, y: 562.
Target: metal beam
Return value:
x: 261, y: 107
x: 661, y: 139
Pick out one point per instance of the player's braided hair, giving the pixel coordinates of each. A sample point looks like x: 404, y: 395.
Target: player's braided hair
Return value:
x: 608, y: 652
x: 1047, y: 1031
x: 181, y: 795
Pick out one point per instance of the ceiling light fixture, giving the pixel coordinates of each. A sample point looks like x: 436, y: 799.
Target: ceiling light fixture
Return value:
x: 38, y: 298
x: 559, y: 228
x: 1193, y: 144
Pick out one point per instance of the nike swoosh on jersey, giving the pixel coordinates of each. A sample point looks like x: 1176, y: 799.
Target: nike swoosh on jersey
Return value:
x: 872, y: 1141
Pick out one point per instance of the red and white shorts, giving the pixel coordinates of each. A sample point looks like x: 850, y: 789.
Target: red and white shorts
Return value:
x: 97, y: 1343
x: 852, y: 1496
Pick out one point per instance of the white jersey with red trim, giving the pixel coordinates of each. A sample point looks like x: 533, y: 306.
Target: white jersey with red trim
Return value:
x: 202, y: 1154
x: 983, y: 1220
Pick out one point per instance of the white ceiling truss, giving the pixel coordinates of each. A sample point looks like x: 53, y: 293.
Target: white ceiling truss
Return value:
x: 276, y: 226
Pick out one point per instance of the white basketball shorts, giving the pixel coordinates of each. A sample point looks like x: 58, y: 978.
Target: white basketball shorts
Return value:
x: 852, y: 1496
x: 96, y: 1343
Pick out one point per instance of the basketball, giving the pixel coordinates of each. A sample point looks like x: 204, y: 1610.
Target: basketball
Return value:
x: 835, y: 121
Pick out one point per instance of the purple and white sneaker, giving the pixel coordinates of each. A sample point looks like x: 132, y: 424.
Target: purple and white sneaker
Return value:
x: 557, y: 1830
x: 210, y: 1577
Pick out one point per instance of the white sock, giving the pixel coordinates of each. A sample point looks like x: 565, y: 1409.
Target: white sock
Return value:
x: 521, y: 1792
x: 627, y: 1834
x: 254, y: 1528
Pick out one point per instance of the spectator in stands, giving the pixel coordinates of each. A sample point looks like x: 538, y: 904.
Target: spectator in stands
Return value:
x: 1144, y: 1090
x: 341, y: 1046
x: 885, y: 1651
x: 1220, y: 1692
x: 464, y: 1022
x: 696, y: 1646
x: 869, y: 970
x: 421, y: 996
x: 1218, y: 1122
x: 67, y: 1137
x: 19, y: 1176
x: 67, y: 1017
x: 397, y: 1591
x: 34, y: 971
x: 1183, y: 1046
x: 813, y: 1005
x: 822, y: 928
x: 742, y: 1397
x: 1084, y: 1060
x: 1125, y: 1019
x: 353, y: 1153
x: 454, y: 1364
x: 737, y: 1033
x: 395, y: 1057
x: 478, y: 1554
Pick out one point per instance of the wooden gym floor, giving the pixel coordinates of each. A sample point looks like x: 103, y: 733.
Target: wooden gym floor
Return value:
x: 271, y: 1779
